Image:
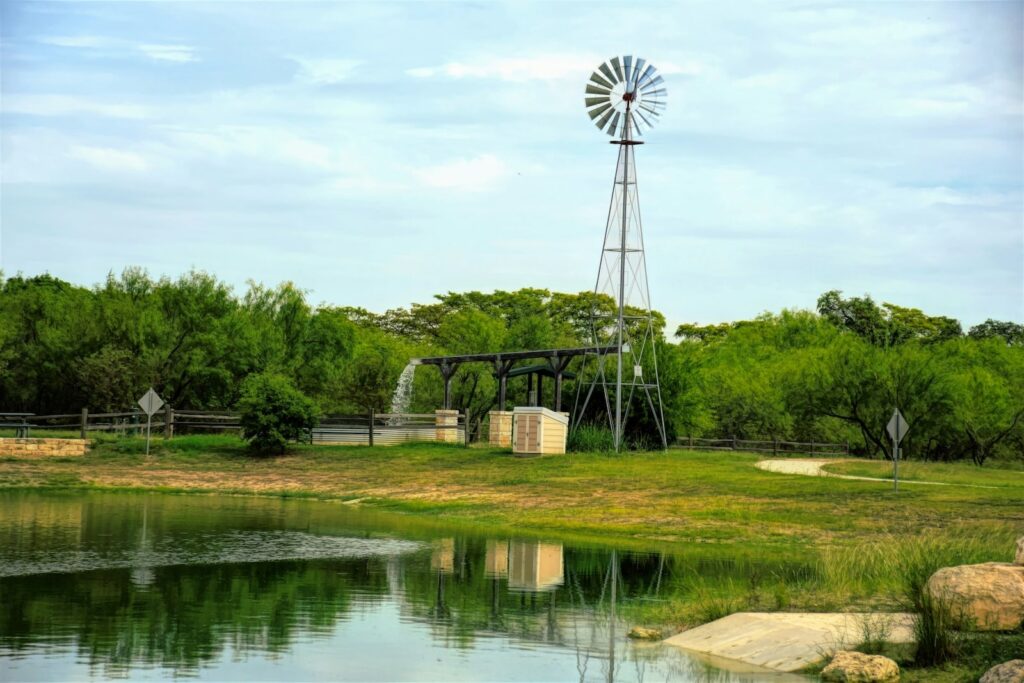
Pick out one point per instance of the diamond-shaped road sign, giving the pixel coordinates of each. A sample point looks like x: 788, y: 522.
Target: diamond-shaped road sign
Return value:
x: 897, y: 426
x: 150, y: 403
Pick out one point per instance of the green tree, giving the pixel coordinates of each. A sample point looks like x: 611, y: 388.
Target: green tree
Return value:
x: 274, y: 412
x: 1011, y: 333
x: 988, y: 378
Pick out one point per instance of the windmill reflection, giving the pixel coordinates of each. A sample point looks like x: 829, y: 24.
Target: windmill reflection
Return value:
x: 442, y: 562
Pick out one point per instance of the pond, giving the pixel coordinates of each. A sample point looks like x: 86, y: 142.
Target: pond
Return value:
x: 154, y: 586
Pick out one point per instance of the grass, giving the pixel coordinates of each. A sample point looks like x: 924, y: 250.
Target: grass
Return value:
x: 853, y: 544
x: 1001, y: 473
x: 655, y: 498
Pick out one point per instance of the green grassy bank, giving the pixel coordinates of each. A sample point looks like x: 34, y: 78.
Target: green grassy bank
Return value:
x: 809, y: 543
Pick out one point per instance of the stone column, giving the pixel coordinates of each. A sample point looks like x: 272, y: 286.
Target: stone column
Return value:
x: 446, y: 426
x: 500, y: 432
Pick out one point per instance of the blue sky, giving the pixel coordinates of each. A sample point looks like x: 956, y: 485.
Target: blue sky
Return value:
x: 379, y: 153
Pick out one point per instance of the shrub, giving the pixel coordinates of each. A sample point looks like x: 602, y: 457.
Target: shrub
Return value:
x: 274, y: 412
x: 589, y: 438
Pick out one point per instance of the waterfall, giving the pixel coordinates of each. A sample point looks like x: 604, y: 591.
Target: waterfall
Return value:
x: 402, y: 398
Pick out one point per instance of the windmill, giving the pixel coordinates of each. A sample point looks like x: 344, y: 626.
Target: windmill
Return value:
x: 624, y: 96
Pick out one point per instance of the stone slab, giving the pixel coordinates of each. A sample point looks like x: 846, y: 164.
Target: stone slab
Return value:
x: 36, y: 447
x: 789, y: 641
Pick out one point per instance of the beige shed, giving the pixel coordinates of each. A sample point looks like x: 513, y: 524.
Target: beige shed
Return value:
x: 538, y: 431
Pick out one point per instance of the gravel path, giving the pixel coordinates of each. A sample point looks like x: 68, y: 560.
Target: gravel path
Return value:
x: 814, y: 467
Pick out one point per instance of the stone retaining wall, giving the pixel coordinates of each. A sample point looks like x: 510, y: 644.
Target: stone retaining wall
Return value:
x: 42, y: 448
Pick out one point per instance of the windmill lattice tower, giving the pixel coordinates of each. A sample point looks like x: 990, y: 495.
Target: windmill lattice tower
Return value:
x: 622, y: 97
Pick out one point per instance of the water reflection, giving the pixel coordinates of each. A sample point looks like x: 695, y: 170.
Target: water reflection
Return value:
x: 208, y: 587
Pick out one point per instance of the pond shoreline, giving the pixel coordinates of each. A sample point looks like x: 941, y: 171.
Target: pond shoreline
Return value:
x: 717, y: 504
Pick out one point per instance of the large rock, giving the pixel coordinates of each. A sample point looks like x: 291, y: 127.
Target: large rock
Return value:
x: 643, y: 633
x: 988, y: 597
x: 1007, y: 672
x: 1019, y: 559
x: 855, y: 667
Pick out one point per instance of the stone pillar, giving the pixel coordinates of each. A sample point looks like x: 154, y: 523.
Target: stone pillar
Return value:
x: 446, y: 426
x: 500, y: 432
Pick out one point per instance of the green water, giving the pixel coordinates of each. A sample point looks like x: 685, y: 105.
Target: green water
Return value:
x: 151, y: 586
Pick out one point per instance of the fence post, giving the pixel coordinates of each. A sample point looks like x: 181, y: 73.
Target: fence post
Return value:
x: 691, y: 441
x: 370, y: 428
x: 734, y: 442
x: 168, y: 421
x: 812, y: 448
x: 466, y: 427
x: 775, y: 447
x: 85, y: 420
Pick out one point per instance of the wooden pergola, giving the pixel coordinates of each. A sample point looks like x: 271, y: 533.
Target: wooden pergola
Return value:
x: 503, y: 363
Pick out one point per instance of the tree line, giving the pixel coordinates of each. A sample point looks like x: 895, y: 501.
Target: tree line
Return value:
x: 829, y: 374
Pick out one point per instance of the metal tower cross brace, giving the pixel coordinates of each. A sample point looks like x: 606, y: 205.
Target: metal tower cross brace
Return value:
x: 625, y: 366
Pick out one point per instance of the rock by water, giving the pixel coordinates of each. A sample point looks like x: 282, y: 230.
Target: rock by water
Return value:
x: 644, y: 633
x: 855, y: 667
x: 989, y: 596
x: 1007, y: 672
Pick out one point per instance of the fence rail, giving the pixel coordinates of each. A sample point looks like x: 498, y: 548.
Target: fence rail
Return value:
x: 387, y: 428
x: 774, y: 447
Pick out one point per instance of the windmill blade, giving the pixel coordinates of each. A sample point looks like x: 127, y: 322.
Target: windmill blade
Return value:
x: 597, y: 111
x: 638, y: 69
x: 649, y: 124
x: 594, y: 101
x: 618, y: 69
x: 615, y: 123
x: 648, y: 73
x: 596, y: 90
x: 607, y: 72
x: 649, y: 108
x: 596, y: 78
x: 628, y: 64
x: 658, y: 80
x: 655, y: 93
x: 600, y: 123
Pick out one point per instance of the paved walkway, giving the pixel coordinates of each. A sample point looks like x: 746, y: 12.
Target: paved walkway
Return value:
x: 814, y: 467
x: 790, y: 641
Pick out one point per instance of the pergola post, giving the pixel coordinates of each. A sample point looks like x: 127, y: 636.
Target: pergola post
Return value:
x: 501, y: 368
x: 447, y: 372
x: 558, y: 365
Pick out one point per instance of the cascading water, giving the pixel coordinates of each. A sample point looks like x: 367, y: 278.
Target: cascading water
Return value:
x: 401, y: 400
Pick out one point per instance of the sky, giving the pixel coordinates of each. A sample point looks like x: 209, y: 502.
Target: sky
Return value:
x: 379, y: 153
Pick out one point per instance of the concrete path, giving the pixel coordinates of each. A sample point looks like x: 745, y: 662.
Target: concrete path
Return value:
x: 814, y: 467
x: 784, y: 641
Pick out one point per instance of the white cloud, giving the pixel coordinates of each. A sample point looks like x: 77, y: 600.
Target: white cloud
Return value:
x: 168, y: 53
x: 514, y: 69
x: 325, y: 71
x: 88, y: 42
x: 274, y: 144
x: 109, y: 159
x: 471, y: 175
x: 63, y: 105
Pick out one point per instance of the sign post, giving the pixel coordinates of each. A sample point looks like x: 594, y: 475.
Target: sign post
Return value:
x: 150, y: 403
x: 897, y: 429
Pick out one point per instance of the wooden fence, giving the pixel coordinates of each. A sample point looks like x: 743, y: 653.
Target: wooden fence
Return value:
x: 387, y: 429
x: 773, y: 447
